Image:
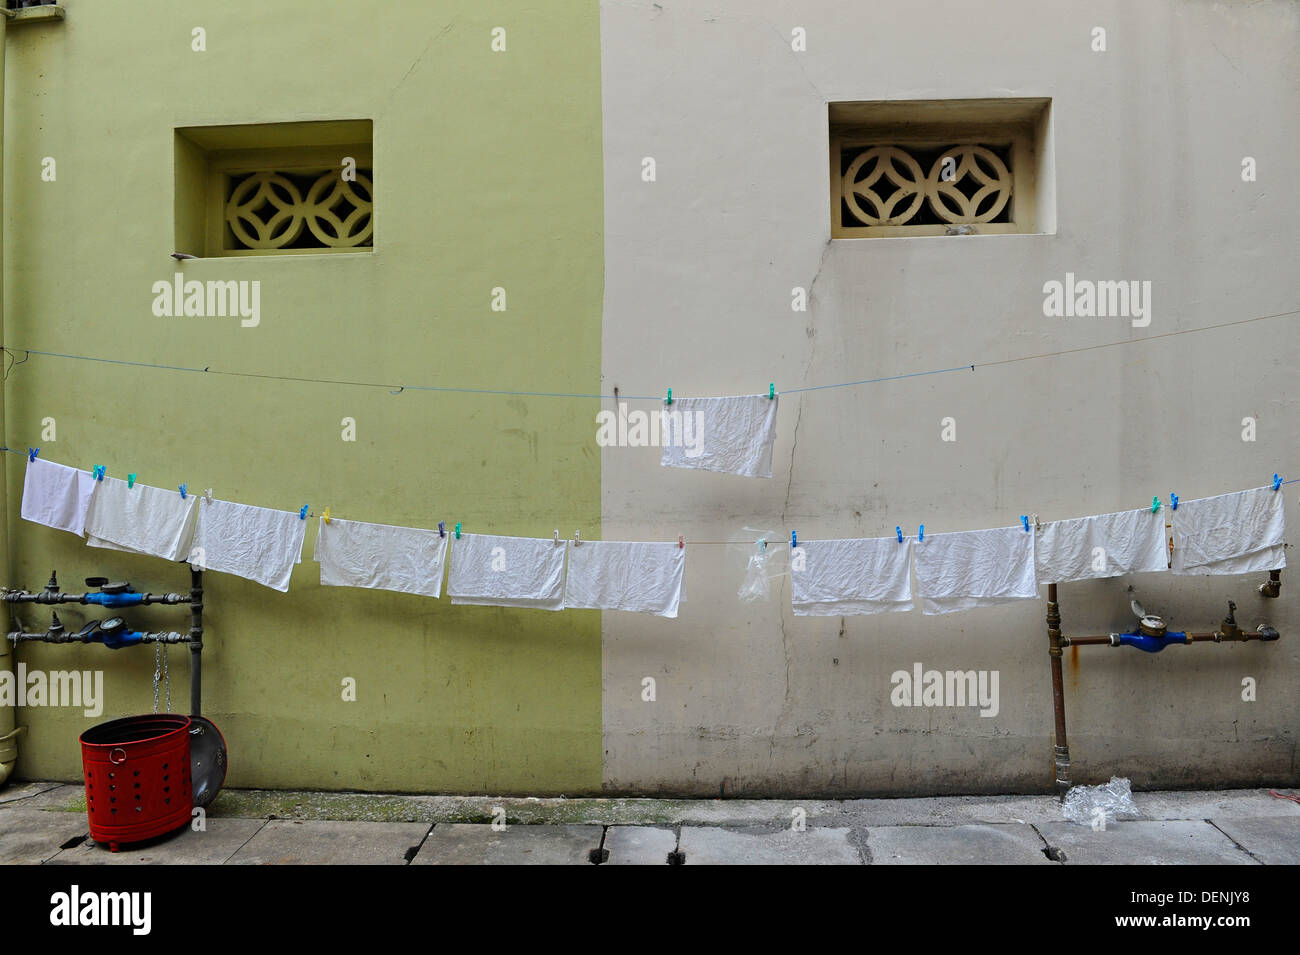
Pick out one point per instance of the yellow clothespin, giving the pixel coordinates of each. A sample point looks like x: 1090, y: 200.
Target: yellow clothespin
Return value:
x: 326, y: 515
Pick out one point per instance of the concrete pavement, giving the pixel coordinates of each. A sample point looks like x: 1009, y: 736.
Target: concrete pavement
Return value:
x: 45, y: 823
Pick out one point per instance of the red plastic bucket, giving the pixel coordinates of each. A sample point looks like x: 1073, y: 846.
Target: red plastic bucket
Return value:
x: 137, y: 777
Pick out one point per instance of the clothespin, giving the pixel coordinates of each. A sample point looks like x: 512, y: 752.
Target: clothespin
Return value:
x: 1277, y: 482
x: 920, y: 536
x: 771, y: 391
x: 182, y: 490
x: 1024, y: 520
x: 442, y: 528
x: 32, y: 452
x: 1173, y: 500
x: 681, y: 543
x: 577, y: 538
x: 669, y: 399
x: 326, y: 515
x: 794, y: 539
x: 130, y: 480
x: 97, y: 472
x: 302, y: 512
x: 557, y: 535
x: 1155, y: 504
x: 1037, y: 526
x: 458, y: 530
x: 207, y: 495
x: 899, y: 531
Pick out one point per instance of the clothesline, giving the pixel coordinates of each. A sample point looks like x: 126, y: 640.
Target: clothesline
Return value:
x: 395, y: 388
x: 1234, y: 533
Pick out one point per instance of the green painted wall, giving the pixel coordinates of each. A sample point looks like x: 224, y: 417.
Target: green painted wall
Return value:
x: 488, y: 173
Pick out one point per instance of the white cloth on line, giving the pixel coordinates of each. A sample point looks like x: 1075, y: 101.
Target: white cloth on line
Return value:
x: 625, y: 575
x: 256, y: 543
x: 141, y: 519
x: 56, y: 495
x: 851, y: 576
x: 487, y: 570
x: 733, y: 435
x: 409, y: 560
x: 1125, y: 542
x: 1236, y: 533
x: 967, y: 569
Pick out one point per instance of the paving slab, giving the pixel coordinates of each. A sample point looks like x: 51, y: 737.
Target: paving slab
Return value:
x: 476, y: 844
x: 221, y: 840
x: 64, y: 796
x: 639, y: 845
x: 1001, y: 844
x: 1164, y: 842
x: 310, y: 842
x: 1273, y: 841
x: 713, y: 845
x: 30, y: 836
x: 1207, y: 805
x: 24, y: 790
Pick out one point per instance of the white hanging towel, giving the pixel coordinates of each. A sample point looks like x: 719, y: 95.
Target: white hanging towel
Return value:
x: 625, y: 575
x: 141, y: 519
x: 1107, y: 545
x: 56, y: 495
x: 256, y: 543
x: 968, y: 569
x: 409, y: 560
x: 731, y: 435
x: 507, y: 572
x: 855, y: 576
x: 1236, y: 533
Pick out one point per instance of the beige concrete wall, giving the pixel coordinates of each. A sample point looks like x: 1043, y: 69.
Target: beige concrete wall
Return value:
x: 1148, y: 142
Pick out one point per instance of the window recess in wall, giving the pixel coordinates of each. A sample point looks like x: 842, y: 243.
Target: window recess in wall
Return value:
x: 275, y: 189
x: 941, y: 167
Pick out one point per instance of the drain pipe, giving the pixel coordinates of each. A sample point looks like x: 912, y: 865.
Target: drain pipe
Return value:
x: 8, y: 714
x: 1058, y: 692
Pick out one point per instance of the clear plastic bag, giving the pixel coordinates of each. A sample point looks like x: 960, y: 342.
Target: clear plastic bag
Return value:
x: 751, y: 548
x: 755, y: 585
x: 1095, y: 806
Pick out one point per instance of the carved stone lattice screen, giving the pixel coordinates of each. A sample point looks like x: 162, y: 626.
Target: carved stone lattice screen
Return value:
x: 924, y: 185
x: 299, y: 209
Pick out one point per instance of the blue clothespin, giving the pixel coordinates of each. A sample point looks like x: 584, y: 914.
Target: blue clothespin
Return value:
x: 921, y: 534
x: 794, y: 539
x: 302, y: 512
x: 442, y: 528
x: 32, y: 452
x: 899, y: 531
x: 1277, y: 482
x: 130, y: 480
x: 669, y: 400
x: 771, y: 391
x: 97, y: 472
x: 182, y: 492
x: 458, y: 530
x: 1155, y: 504
x: 1173, y: 500
x: 1024, y: 521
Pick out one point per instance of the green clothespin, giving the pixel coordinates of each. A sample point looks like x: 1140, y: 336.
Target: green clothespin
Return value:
x: 130, y: 480
x: 1155, y: 504
x: 670, y: 397
x: 771, y: 391
x: 458, y: 530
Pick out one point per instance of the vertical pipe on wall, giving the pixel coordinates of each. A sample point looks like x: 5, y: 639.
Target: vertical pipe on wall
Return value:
x: 196, y: 642
x: 8, y: 714
x: 1058, y: 691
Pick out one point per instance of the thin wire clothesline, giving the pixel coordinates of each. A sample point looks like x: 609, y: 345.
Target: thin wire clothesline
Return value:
x: 398, y: 388
x: 740, y: 542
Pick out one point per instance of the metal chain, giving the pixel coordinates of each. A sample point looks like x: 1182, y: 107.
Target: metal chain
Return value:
x: 157, y: 672
x: 167, y: 678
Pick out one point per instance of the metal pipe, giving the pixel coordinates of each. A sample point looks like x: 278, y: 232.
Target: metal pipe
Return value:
x: 8, y: 714
x: 1058, y: 692
x: 196, y: 642
x: 19, y: 636
x: 46, y: 597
